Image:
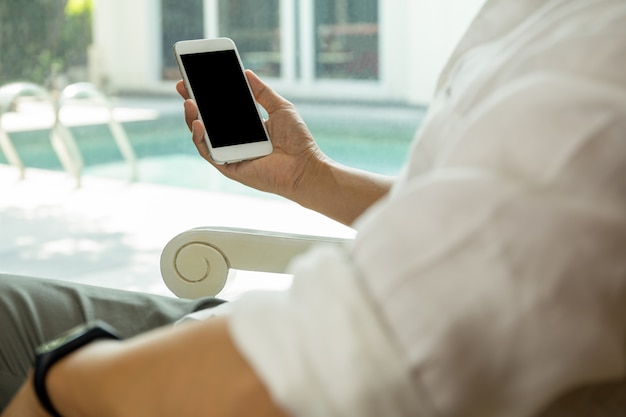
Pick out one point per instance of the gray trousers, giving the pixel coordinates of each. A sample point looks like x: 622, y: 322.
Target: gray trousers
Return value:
x: 33, y: 311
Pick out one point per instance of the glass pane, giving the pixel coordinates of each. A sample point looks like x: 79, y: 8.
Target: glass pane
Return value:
x: 180, y: 21
x: 255, y: 28
x: 347, y: 39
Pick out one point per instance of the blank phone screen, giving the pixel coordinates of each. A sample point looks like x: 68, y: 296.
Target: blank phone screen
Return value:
x: 228, y: 111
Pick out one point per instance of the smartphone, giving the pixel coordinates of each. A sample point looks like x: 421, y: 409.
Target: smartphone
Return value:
x: 215, y: 79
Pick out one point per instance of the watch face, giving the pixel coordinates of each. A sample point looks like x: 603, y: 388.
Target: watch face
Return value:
x: 59, y: 341
x: 79, y: 336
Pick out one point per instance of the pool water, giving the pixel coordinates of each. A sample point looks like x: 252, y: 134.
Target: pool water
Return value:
x: 374, y: 138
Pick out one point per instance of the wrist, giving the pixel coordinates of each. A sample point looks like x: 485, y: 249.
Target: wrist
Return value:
x: 311, y: 181
x: 51, y: 359
x: 343, y: 193
x: 25, y: 402
x: 79, y: 384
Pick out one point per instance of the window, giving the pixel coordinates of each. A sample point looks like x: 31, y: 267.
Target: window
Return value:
x: 254, y: 26
x: 179, y: 21
x: 299, y: 40
x: 346, y: 39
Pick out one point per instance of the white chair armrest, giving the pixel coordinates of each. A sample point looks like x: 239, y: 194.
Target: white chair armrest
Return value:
x: 196, y: 262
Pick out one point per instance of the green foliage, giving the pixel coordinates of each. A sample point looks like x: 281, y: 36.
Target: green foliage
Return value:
x: 39, y: 38
x: 78, y: 7
x: 76, y: 34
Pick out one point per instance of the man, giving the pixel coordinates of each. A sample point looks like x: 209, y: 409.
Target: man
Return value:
x: 488, y: 280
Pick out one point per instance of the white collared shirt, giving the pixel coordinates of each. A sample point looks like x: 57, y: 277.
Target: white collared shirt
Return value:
x: 493, y: 277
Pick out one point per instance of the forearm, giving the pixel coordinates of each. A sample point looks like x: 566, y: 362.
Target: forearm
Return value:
x: 190, y: 370
x: 342, y: 193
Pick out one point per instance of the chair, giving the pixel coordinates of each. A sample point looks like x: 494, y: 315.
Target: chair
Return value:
x: 199, y: 262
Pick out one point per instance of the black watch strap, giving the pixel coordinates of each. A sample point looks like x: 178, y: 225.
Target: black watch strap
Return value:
x: 50, y: 353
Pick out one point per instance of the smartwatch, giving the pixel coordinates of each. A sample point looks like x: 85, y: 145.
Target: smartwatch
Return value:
x: 51, y: 352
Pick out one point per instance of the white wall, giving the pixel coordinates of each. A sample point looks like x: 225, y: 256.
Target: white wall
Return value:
x: 127, y: 43
x: 424, y: 35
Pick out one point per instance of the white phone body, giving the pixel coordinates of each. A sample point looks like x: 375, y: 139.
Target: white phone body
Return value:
x: 215, y: 79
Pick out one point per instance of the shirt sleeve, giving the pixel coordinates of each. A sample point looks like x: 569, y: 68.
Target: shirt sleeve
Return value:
x: 321, y: 348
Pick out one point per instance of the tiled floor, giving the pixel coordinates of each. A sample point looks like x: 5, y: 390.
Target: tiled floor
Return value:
x: 111, y: 232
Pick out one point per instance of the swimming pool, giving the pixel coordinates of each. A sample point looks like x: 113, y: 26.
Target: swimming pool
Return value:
x: 371, y: 137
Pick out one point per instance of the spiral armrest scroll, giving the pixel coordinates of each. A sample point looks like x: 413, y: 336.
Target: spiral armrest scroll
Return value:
x: 192, y: 268
x: 196, y: 262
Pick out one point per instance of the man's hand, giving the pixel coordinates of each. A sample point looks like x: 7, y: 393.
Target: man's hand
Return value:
x: 296, y: 158
x: 296, y: 169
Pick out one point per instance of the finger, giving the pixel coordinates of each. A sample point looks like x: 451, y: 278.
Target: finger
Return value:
x: 264, y: 95
x: 191, y: 112
x: 197, y: 135
x: 182, y: 90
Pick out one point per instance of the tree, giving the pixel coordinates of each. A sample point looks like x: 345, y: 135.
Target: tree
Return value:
x: 41, y: 37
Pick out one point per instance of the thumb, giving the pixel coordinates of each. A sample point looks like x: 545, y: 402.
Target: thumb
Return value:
x: 264, y: 95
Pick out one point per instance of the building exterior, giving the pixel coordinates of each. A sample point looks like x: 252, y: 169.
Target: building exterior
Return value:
x: 353, y: 50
